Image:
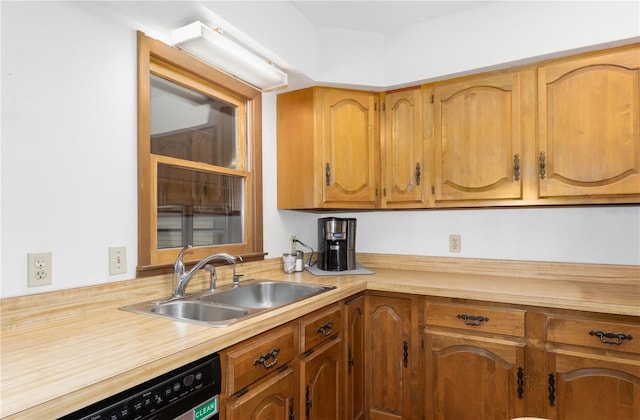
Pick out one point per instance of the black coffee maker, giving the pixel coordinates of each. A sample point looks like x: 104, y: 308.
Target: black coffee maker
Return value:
x: 336, y: 244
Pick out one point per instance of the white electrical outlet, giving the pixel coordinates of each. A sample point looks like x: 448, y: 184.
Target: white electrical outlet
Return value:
x: 293, y: 245
x: 455, y: 243
x: 39, y: 269
x: 117, y: 260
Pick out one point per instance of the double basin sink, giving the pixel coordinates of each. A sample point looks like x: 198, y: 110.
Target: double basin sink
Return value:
x: 226, y: 306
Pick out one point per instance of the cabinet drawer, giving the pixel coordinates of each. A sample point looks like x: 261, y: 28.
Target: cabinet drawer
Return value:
x: 318, y: 326
x: 594, y: 333
x: 258, y: 357
x: 476, y: 318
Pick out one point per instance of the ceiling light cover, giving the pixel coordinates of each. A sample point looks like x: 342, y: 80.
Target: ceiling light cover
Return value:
x: 212, y: 47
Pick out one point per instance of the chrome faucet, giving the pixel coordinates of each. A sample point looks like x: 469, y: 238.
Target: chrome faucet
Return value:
x: 181, y: 279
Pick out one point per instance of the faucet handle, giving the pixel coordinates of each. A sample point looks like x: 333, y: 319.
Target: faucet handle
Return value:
x: 212, y: 276
x: 179, y: 265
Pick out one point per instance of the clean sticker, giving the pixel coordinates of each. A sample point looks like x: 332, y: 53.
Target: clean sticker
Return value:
x: 206, y: 410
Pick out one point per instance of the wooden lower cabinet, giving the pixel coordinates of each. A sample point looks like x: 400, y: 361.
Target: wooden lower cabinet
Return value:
x: 473, y: 377
x: 583, y: 386
x: 321, y: 364
x: 592, y: 368
x: 272, y: 399
x: 497, y: 361
x: 386, y: 355
x: 320, y: 388
x: 389, y: 357
x: 354, y: 406
x: 475, y: 361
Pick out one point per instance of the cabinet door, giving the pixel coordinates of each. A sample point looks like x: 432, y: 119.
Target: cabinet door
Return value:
x: 350, y: 149
x: 388, y: 374
x: 404, y: 167
x: 589, y: 126
x: 354, y: 352
x: 473, y: 378
x: 583, y: 386
x: 478, y: 138
x: 321, y: 390
x: 271, y: 399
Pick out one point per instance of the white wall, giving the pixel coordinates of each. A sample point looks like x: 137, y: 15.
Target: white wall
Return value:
x: 68, y: 158
x: 505, y: 32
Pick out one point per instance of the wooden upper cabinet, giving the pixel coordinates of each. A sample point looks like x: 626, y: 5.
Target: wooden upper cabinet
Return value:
x: 564, y: 131
x: 350, y: 148
x: 405, y: 177
x: 328, y: 150
x: 589, y: 126
x: 476, y: 135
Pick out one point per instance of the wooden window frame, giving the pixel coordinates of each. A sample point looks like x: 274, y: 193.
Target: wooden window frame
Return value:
x: 158, y: 58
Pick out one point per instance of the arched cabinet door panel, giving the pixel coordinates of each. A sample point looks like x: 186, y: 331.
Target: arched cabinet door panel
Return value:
x: 589, y: 126
x: 477, y: 132
x: 581, y: 387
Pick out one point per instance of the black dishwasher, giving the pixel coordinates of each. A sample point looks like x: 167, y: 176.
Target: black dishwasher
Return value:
x: 189, y: 392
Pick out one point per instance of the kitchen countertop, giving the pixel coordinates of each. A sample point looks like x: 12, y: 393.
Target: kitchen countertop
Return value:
x: 64, y: 359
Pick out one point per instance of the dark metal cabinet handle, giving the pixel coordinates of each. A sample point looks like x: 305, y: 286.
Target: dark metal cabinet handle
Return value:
x: 520, y: 383
x: 418, y: 173
x: 542, y: 161
x: 552, y: 390
x: 292, y: 413
x: 405, y: 352
x: 308, y: 403
x: 611, y: 338
x: 327, y: 174
x: 350, y: 362
x: 325, y: 329
x: 473, y: 320
x: 262, y: 360
x: 516, y: 166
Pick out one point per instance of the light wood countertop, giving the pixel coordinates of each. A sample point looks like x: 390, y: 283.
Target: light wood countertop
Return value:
x: 64, y: 350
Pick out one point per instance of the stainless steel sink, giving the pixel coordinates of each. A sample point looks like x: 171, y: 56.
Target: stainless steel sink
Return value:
x: 228, y: 305
x: 264, y: 294
x: 197, y: 311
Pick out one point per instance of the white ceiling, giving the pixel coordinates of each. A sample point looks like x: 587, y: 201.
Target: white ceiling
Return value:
x: 379, y: 16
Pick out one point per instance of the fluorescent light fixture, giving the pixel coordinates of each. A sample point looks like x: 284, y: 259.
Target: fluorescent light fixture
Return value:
x: 212, y: 47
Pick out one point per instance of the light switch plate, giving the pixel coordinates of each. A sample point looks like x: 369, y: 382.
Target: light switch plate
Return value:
x: 117, y: 260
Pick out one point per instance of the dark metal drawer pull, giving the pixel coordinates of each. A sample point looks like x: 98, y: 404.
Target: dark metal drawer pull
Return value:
x: 610, y: 338
x: 472, y: 320
x: 325, y: 329
x: 262, y: 360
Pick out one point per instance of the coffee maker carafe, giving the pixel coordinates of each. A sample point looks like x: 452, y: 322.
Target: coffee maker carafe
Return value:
x: 336, y: 244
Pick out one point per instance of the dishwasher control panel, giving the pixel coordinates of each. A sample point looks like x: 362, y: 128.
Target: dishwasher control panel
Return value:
x: 190, y: 391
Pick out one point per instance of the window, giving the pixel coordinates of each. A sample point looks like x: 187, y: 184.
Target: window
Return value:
x: 199, y: 154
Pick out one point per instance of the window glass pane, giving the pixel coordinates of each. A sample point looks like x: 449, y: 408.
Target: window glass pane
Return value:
x: 198, y: 208
x: 189, y: 125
